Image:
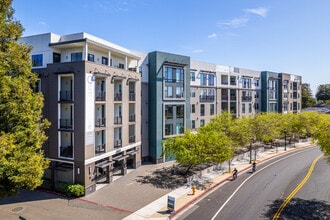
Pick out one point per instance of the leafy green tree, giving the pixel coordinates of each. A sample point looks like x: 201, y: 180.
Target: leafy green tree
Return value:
x: 22, y: 130
x: 188, y: 149
x: 306, y: 96
x: 323, y: 92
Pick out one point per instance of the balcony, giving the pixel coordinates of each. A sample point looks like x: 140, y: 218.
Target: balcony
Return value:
x: 66, y: 123
x: 246, y: 98
x: 66, y: 95
x: 118, y: 96
x: 118, y: 120
x: 100, y: 149
x: 132, y: 97
x: 206, y: 98
x: 100, y: 96
x: 132, y: 118
x: 118, y: 143
x: 131, y: 139
x: 100, y: 122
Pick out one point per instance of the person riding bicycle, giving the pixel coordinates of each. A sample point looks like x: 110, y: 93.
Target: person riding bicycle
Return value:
x: 235, y: 171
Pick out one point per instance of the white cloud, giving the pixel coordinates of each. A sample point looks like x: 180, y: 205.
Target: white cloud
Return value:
x: 258, y: 11
x: 42, y: 23
x: 236, y: 22
x: 212, y: 36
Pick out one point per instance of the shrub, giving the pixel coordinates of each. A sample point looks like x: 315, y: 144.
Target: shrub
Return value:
x: 71, y: 189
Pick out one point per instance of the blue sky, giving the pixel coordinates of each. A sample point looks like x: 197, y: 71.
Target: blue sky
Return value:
x: 288, y: 36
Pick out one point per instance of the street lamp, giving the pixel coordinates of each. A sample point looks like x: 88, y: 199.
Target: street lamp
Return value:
x: 285, y: 140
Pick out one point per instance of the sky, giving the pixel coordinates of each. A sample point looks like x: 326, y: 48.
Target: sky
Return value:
x: 288, y: 36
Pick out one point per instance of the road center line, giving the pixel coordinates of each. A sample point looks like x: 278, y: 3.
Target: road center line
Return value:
x: 232, y: 195
x: 291, y: 195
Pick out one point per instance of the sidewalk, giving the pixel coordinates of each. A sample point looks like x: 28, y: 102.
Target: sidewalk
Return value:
x: 209, y: 179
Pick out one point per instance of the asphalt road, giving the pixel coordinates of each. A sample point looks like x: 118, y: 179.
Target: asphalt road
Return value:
x: 259, y: 195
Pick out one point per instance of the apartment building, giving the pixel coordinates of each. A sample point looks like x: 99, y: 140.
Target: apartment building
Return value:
x: 92, y: 99
x: 111, y: 108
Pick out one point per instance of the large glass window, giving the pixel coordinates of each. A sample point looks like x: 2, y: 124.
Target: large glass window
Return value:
x: 168, y: 112
x: 211, y: 109
x: 179, y: 128
x: 211, y: 79
x: 168, y: 92
x: 202, y: 109
x: 179, y: 111
x: 179, y: 92
x: 76, y: 56
x: 179, y: 75
x: 168, y: 129
x: 37, y: 60
x: 192, y: 76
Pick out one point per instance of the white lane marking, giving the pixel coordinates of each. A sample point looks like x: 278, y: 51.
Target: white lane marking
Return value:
x: 232, y: 195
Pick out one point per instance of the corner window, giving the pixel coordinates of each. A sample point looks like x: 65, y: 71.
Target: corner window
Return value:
x: 36, y: 60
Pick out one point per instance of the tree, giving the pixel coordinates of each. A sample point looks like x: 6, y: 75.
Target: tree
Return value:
x: 323, y: 92
x: 306, y: 96
x: 22, y: 161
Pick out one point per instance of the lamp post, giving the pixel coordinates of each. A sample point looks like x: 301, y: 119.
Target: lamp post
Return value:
x: 285, y: 140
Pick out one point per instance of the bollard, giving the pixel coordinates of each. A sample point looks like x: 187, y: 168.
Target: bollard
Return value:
x: 193, y: 188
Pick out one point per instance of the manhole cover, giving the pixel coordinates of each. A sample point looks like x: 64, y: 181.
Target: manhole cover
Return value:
x: 17, y: 209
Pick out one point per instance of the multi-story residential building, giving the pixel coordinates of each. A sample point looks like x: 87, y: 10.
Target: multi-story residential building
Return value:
x: 92, y: 99
x: 111, y: 108
x: 281, y: 92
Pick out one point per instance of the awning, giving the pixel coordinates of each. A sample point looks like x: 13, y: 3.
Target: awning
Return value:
x: 120, y: 157
x: 104, y: 164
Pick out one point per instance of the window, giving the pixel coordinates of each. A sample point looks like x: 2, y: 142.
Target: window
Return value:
x: 246, y: 83
x: 211, y: 79
x: 37, y: 60
x: 192, y: 76
x: 211, y: 109
x: 56, y: 57
x: 168, y: 74
x: 193, y: 108
x: 91, y: 57
x: 202, y: 122
x: 76, y: 57
x: 179, y: 75
x: 202, y: 109
x: 179, y: 92
x: 37, y: 86
x: 193, y: 92
x: 243, y: 108
x: 168, y: 129
x: 250, y: 107
x: 121, y: 66
x: 179, y: 128
x: 168, y: 112
x: 203, y: 78
x: 193, y: 125
x: 180, y: 111
x: 105, y: 60
x: 168, y: 92
x: 256, y: 82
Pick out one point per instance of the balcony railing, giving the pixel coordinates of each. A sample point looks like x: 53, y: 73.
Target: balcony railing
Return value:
x: 131, y: 139
x: 100, y: 122
x: 66, y: 123
x: 65, y: 95
x: 118, y: 96
x: 132, y: 118
x: 132, y: 97
x: 206, y: 98
x: 118, y: 143
x: 118, y: 120
x: 100, y: 96
x: 100, y: 149
x: 246, y: 98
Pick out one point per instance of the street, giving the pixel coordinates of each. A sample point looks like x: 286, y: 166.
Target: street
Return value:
x: 259, y: 195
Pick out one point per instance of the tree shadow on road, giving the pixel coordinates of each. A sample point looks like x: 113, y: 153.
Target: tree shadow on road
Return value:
x: 300, y: 209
